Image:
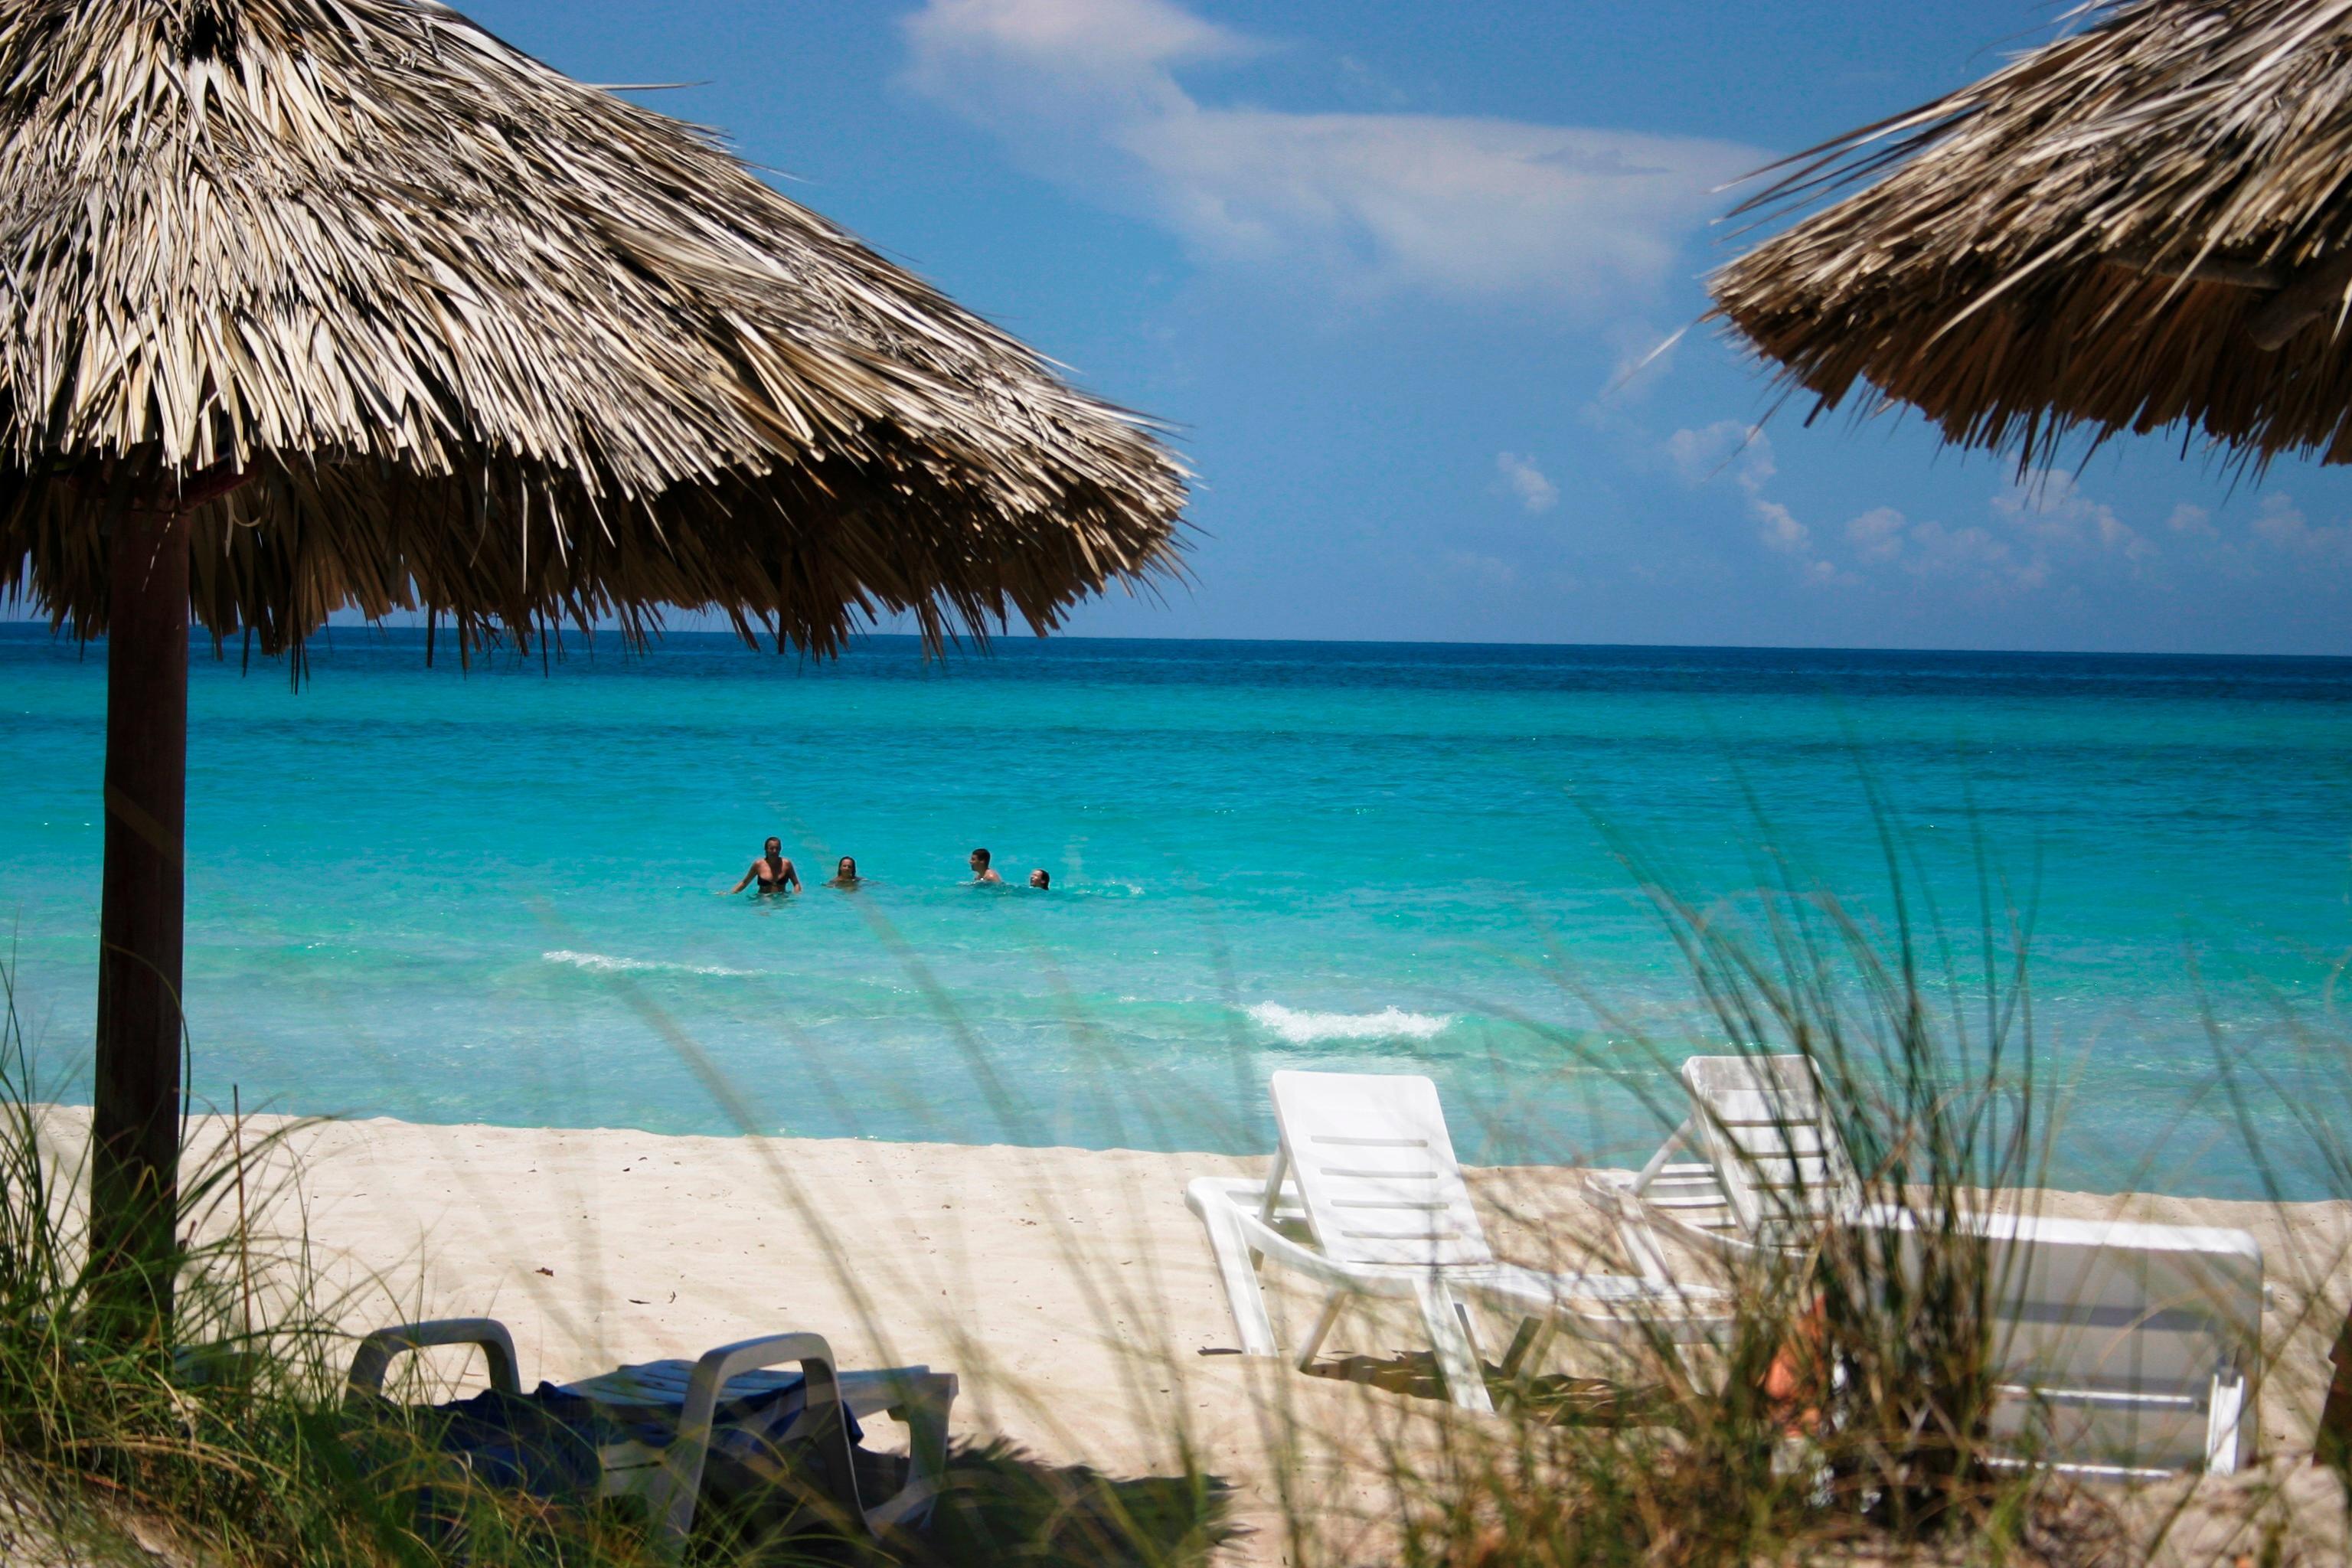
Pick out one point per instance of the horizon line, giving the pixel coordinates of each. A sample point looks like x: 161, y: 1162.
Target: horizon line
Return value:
x: 995, y: 642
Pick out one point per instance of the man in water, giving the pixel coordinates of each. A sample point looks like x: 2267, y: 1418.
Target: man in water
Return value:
x: 1040, y: 879
x: 845, y: 875
x: 982, y: 874
x: 775, y: 872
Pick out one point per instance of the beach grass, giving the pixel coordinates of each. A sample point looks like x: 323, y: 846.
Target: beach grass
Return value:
x: 1848, y: 1410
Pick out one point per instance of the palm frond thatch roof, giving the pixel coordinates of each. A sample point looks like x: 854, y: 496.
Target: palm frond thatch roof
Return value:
x: 489, y: 342
x: 2146, y: 223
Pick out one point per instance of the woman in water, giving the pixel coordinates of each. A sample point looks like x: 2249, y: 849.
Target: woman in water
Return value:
x: 775, y: 872
x: 845, y: 875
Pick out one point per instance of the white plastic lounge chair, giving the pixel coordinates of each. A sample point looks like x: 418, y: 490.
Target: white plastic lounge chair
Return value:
x: 668, y: 1476
x: 1770, y: 1166
x: 1366, y: 1199
x: 2122, y: 1350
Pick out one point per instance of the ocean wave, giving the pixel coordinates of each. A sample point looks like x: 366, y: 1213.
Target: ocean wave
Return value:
x: 1299, y: 1027
x: 606, y: 964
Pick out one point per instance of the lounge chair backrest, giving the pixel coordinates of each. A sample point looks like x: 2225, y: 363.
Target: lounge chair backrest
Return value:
x: 1763, y: 1123
x: 2117, y: 1340
x: 1375, y: 1169
x: 2144, y: 1320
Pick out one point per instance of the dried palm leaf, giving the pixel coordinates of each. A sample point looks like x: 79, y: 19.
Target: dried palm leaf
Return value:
x: 2144, y: 225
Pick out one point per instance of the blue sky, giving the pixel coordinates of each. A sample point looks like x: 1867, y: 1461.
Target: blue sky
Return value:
x: 1386, y: 269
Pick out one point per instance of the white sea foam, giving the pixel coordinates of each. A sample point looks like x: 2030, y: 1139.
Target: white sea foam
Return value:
x: 1299, y: 1027
x: 606, y: 964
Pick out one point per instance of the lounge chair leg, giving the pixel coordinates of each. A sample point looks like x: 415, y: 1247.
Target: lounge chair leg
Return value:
x: 1273, y: 1199
x: 1528, y: 1344
x: 2225, y: 1406
x: 1333, y: 1305
x: 927, y: 1403
x: 678, y: 1482
x: 1243, y: 1295
x: 1457, y: 1362
x: 1641, y: 1246
x: 1470, y: 1332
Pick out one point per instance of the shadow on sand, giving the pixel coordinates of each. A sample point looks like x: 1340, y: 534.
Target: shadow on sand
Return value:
x: 999, y: 1505
x: 1557, y: 1399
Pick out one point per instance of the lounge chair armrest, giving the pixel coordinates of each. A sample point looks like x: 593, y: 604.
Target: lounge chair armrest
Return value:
x: 1611, y: 1192
x: 672, y: 1498
x: 1249, y: 1193
x: 924, y: 1403
x: 376, y: 1352
x: 1623, y: 1309
x: 1370, y: 1280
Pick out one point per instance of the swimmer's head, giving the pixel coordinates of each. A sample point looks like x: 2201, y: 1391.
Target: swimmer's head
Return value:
x: 979, y: 859
x: 773, y: 847
x: 848, y: 869
x: 1040, y: 879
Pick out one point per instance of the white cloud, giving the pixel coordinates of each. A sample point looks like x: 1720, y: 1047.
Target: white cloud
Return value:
x: 2042, y: 531
x: 1936, y: 551
x: 2049, y: 509
x: 1968, y: 555
x: 1726, y: 447
x: 2281, y: 522
x: 1530, y: 483
x: 1467, y: 208
x: 1744, y: 454
x: 1093, y: 41
x: 2043, y: 522
x: 2190, y: 519
x: 2048, y: 512
x: 1876, y: 534
x: 1781, y: 531
x: 2278, y: 521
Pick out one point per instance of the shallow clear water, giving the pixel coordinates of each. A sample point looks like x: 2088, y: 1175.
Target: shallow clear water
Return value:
x: 494, y: 896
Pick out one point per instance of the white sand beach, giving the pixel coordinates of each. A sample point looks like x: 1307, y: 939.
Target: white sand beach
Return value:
x: 1070, y: 1289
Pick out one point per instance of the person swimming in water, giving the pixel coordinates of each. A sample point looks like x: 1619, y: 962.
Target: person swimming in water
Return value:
x: 775, y: 872
x: 1040, y: 879
x: 984, y: 875
x: 845, y: 874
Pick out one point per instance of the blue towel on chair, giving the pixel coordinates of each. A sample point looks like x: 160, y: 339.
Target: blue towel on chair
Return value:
x: 642, y: 1403
x: 545, y: 1445
x: 531, y: 1443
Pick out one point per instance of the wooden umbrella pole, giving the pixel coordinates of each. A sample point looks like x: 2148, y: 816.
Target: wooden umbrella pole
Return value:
x: 134, y: 1168
x: 2332, y: 1444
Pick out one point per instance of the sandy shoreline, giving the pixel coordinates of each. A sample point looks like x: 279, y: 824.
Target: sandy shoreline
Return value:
x: 1070, y: 1289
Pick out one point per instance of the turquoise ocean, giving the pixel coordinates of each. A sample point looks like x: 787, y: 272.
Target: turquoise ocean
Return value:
x: 494, y: 894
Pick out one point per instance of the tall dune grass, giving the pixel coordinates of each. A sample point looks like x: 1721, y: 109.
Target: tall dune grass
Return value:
x: 103, y: 1441
x: 1848, y: 1410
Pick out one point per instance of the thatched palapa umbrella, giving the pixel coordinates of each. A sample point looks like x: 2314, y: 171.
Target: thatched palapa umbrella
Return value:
x: 2146, y: 223
x: 316, y: 303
